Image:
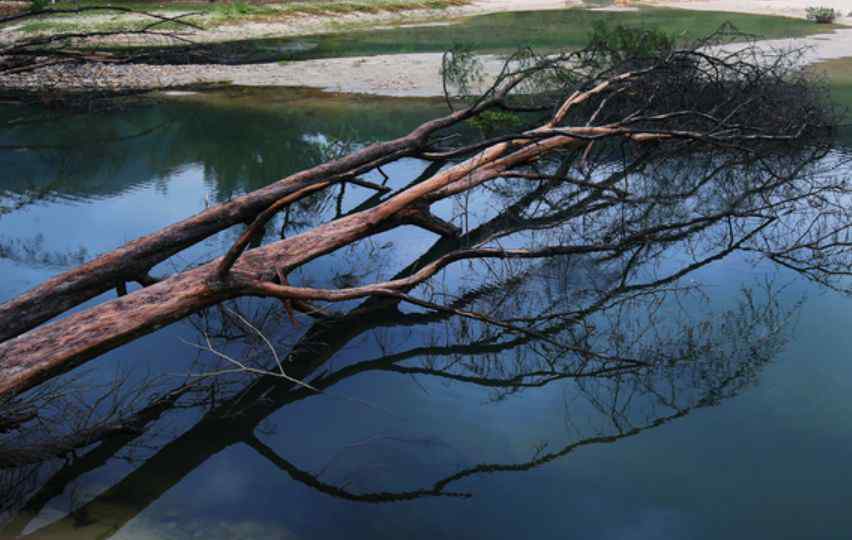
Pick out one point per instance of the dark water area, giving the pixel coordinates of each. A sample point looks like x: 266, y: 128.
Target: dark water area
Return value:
x: 426, y: 426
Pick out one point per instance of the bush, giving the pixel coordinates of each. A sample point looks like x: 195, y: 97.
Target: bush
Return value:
x: 38, y: 5
x: 623, y: 44
x: 490, y: 122
x: 237, y: 8
x: 822, y: 15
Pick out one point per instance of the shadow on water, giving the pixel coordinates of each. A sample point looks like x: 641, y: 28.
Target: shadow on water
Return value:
x: 684, y: 372
x: 244, y: 139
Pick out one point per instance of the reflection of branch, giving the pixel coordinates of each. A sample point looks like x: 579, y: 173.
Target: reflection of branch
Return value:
x: 233, y: 421
x: 553, y: 456
x: 109, y: 446
x: 87, y: 143
x: 123, y: 426
x: 335, y: 491
x: 539, y: 378
x: 655, y: 210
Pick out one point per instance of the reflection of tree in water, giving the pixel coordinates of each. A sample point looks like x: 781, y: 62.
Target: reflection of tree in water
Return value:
x: 598, y: 323
x: 693, y: 366
x: 239, y: 148
x: 561, y: 271
x: 31, y: 252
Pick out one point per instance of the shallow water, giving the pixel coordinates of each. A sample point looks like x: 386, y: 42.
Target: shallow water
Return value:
x: 765, y: 459
x: 543, y: 31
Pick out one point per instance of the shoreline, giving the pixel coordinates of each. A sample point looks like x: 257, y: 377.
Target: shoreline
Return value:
x: 398, y: 75
x: 391, y: 75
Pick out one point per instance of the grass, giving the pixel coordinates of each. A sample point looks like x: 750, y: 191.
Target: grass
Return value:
x: 236, y: 9
x: 348, y: 7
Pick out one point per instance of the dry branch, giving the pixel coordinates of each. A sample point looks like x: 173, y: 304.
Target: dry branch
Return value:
x: 683, y: 107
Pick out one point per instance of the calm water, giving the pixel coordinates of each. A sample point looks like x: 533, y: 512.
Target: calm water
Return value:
x: 506, y: 32
x: 541, y: 30
x: 753, y: 445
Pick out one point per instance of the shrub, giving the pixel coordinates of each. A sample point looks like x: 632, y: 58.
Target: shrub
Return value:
x: 38, y: 5
x: 490, y: 122
x: 237, y: 8
x: 822, y: 15
x: 623, y: 44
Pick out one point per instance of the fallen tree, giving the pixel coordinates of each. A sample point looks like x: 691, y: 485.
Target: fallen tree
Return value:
x: 627, y: 156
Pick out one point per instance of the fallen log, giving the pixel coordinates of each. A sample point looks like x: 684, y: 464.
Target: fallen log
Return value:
x: 133, y: 261
x: 596, y: 211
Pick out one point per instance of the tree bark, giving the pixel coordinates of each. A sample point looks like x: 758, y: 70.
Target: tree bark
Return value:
x: 134, y: 260
x: 31, y: 354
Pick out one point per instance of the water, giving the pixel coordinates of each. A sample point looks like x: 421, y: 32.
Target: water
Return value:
x: 506, y: 32
x: 541, y: 30
x: 756, y: 447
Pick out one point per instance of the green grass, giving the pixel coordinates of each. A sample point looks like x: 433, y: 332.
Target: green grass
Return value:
x: 544, y: 30
x: 839, y: 75
x: 238, y: 8
x: 346, y: 7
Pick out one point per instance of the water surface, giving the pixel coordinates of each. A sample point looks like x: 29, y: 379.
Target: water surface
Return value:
x: 544, y: 31
x: 541, y: 30
x: 756, y: 447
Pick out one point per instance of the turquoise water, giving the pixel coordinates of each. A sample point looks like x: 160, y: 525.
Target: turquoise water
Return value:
x: 543, y: 31
x: 751, y: 445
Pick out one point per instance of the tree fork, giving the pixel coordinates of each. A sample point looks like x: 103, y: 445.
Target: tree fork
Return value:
x: 135, y: 259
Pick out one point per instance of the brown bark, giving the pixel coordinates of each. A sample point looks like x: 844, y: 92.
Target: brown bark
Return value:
x: 133, y: 261
x: 44, y: 352
x: 41, y: 353
x: 30, y: 354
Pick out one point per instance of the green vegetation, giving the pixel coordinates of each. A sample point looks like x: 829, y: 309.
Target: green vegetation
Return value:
x: 344, y: 7
x: 38, y: 5
x: 822, y: 15
x: 491, y: 122
x: 621, y: 43
x: 239, y: 8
